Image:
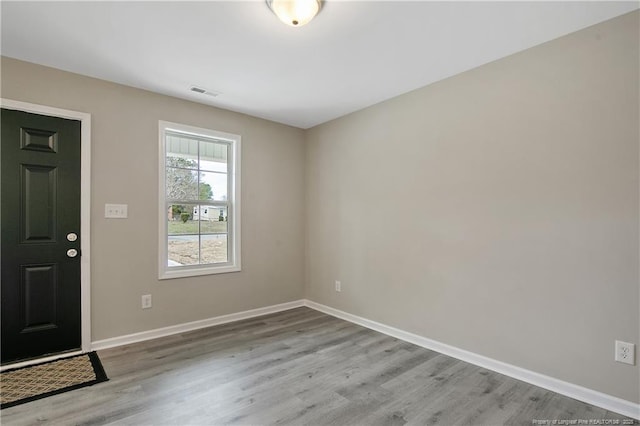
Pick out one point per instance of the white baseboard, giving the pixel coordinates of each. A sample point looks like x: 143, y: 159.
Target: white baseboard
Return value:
x: 193, y: 325
x: 571, y: 390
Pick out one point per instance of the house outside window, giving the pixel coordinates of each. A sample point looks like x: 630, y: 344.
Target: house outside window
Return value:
x: 199, y: 195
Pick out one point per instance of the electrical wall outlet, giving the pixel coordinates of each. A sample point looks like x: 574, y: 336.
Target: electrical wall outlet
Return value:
x: 625, y: 352
x: 338, y: 286
x: 146, y: 301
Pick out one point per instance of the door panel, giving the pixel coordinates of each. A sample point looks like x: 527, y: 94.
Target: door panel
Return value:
x: 38, y: 140
x: 38, y: 185
x: 39, y: 288
x: 40, y: 198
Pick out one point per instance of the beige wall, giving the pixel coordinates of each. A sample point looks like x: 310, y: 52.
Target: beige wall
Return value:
x: 124, y: 253
x: 495, y: 211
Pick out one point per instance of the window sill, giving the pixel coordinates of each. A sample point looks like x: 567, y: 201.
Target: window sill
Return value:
x: 195, y: 271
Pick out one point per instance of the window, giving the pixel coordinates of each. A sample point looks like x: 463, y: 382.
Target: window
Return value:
x: 199, y: 201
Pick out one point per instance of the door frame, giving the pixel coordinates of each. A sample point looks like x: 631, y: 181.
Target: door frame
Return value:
x: 85, y: 216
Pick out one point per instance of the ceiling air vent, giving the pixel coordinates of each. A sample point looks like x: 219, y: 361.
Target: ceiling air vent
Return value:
x: 204, y: 91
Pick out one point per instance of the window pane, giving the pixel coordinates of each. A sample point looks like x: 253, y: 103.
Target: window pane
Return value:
x: 182, y: 250
x: 214, y: 220
x: 181, y: 219
x: 181, y: 184
x: 214, y: 248
x: 213, y: 186
x: 213, y: 156
x: 182, y: 152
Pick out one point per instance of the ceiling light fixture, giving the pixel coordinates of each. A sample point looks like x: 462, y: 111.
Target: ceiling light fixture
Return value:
x: 295, y: 12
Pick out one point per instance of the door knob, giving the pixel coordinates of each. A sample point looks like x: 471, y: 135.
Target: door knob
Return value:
x: 72, y: 236
x: 72, y: 252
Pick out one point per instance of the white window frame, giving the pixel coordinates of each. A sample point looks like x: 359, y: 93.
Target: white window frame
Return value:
x: 233, y: 199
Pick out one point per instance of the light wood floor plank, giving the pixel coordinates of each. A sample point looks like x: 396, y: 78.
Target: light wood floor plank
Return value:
x: 299, y: 367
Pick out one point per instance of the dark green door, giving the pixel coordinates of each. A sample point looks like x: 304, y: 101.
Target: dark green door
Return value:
x: 40, y: 215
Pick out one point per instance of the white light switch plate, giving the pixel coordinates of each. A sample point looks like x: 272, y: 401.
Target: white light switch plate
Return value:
x: 115, y: 211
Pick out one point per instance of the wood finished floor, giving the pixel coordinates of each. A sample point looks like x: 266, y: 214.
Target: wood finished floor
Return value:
x: 296, y: 367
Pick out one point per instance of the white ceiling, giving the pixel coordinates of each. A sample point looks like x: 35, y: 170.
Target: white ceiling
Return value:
x: 354, y: 54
